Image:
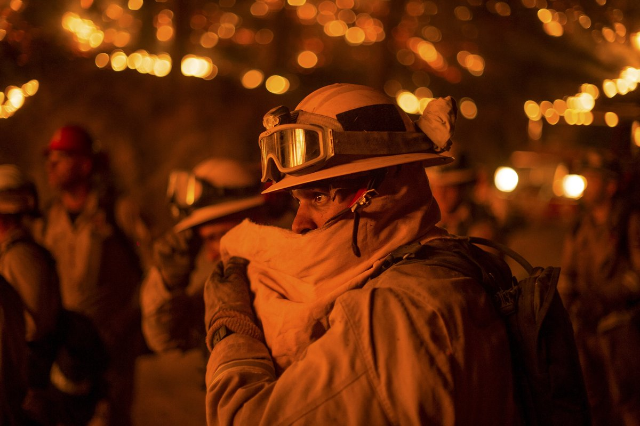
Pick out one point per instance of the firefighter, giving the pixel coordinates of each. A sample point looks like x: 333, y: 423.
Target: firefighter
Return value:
x: 206, y: 202
x: 100, y: 244
x: 30, y: 269
x: 316, y: 329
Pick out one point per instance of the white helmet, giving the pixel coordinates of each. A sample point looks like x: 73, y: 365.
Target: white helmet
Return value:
x: 344, y: 129
x: 17, y: 193
x: 215, y: 188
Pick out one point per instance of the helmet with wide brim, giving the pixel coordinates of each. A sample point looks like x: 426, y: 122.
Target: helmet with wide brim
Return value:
x: 363, y: 165
x: 218, y: 211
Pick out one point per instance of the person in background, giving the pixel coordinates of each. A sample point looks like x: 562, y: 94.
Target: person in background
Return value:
x: 595, y: 281
x: 13, y: 357
x: 30, y: 269
x: 207, y: 201
x: 618, y: 330
x: 100, y: 244
x: 318, y: 329
x: 453, y: 188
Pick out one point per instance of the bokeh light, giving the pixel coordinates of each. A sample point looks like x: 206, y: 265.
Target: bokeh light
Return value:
x: 506, y: 179
x: 573, y: 186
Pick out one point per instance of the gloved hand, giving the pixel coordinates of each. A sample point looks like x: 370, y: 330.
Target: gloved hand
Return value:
x: 227, y: 300
x: 174, y: 255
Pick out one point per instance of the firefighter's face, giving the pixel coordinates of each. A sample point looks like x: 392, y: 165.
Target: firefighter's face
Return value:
x: 65, y: 170
x: 316, y: 206
x: 211, y: 233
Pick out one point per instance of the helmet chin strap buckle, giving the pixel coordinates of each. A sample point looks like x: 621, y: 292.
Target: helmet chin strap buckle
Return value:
x: 362, y: 199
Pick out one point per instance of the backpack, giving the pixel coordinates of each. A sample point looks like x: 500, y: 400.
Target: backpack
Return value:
x: 547, y: 374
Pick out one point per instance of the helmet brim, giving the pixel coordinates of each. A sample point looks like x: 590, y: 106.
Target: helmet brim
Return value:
x: 217, y: 211
x: 357, y: 166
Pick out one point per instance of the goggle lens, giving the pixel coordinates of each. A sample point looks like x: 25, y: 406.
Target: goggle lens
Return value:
x: 290, y: 149
x: 184, y: 188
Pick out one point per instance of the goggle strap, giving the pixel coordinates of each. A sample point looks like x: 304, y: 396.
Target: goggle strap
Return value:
x: 380, y: 143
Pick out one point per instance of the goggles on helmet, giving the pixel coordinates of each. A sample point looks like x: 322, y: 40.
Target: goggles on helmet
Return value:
x: 302, y: 148
x: 187, y: 192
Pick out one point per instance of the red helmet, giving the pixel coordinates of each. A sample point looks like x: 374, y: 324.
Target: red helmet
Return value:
x: 71, y: 138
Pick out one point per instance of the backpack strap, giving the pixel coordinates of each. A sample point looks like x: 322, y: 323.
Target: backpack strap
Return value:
x: 461, y: 255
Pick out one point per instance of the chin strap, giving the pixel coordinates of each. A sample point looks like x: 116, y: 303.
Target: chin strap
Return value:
x: 361, y: 200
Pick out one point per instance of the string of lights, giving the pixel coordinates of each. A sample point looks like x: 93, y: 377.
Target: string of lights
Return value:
x: 272, y: 44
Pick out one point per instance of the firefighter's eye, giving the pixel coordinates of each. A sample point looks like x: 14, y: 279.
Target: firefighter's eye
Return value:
x: 320, y: 198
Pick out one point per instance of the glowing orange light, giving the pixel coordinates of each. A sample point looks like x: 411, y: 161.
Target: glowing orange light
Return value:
x: 553, y: 28
x: 468, y: 108
x: 135, y: 4
x: 532, y: 110
x: 307, y: 59
x: 307, y: 12
x: 252, y: 79
x: 355, y: 36
x: 277, y: 84
x: 102, y: 60
x: 408, y: 102
x: 611, y: 119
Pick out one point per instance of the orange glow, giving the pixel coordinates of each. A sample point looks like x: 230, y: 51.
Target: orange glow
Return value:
x: 408, y: 102
x: 114, y: 11
x: 226, y: 30
x: 259, y: 9
x: 355, y: 36
x: 252, y: 79
x: 553, y: 28
x: 277, y: 84
x: 462, y: 13
x: 552, y: 116
x: 405, y: 57
x: 264, y: 36
x: 345, y: 4
x: 122, y: 39
x: 432, y: 33
x: 31, y: 87
x: 335, y: 28
x: 635, y: 40
x: 611, y: 119
x: 503, y: 8
x: 545, y: 16
x: 608, y: 34
x: 392, y: 87
x: 307, y: 59
x: 102, y: 60
x: 609, y: 88
x: 307, y: 12
x: 118, y: 60
x: 16, y: 5
x: 534, y: 129
x: 585, y: 21
x: 532, y: 110
x: 468, y: 108
x: 209, y: 39
x: 135, y: 4
x: 635, y: 133
x: 348, y: 16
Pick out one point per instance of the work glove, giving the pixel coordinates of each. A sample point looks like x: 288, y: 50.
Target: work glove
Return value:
x: 227, y: 300
x: 174, y: 255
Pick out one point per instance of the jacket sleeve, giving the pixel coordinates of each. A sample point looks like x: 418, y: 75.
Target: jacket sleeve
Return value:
x: 32, y: 274
x: 170, y: 319
x: 329, y: 385
x: 406, y: 349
